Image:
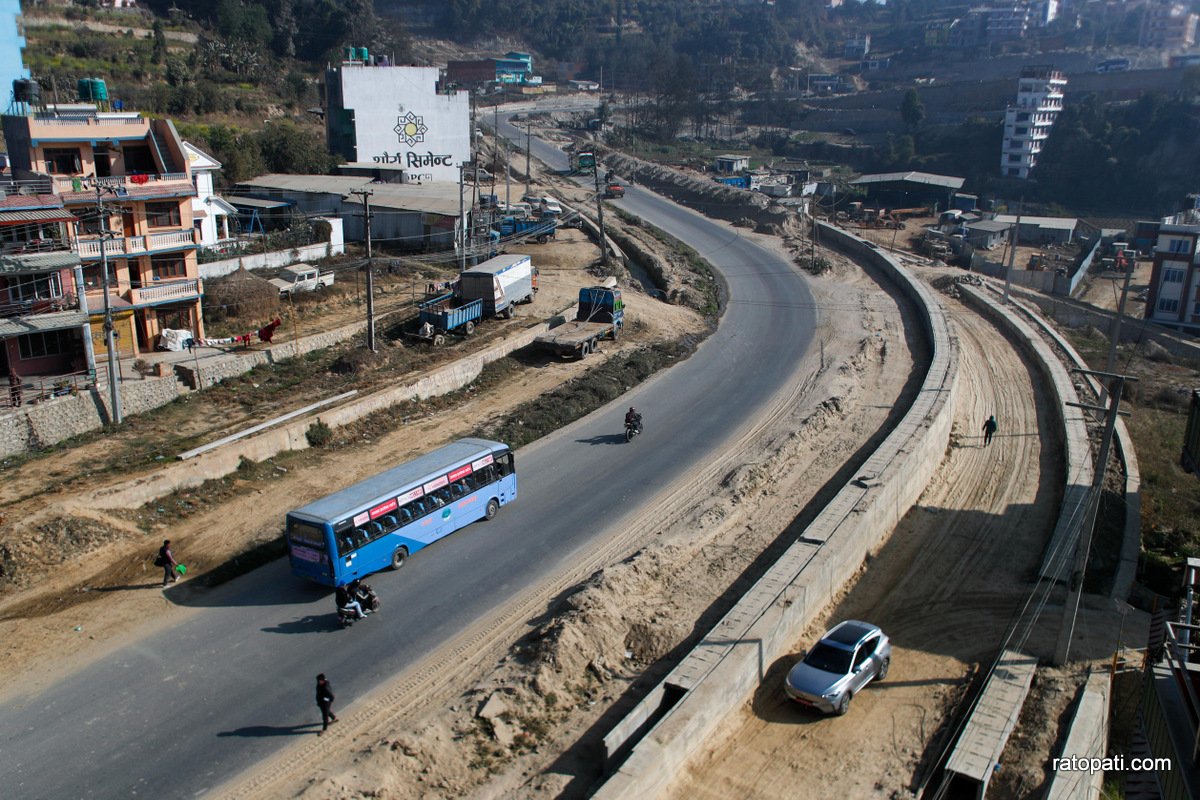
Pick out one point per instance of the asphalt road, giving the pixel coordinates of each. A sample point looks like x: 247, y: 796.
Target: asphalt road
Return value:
x: 182, y: 711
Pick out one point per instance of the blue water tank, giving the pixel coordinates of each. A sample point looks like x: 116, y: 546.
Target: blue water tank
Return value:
x: 363, y: 55
x: 99, y: 89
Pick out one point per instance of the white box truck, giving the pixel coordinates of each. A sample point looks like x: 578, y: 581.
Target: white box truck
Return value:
x: 501, y: 283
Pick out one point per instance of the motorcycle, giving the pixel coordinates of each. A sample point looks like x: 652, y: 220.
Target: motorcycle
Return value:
x: 633, y: 428
x: 366, y: 598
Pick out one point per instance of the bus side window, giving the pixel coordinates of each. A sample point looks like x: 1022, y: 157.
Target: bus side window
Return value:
x: 505, y: 463
x: 374, y: 530
x: 406, y: 515
x: 390, y: 523
x: 459, y: 489
x: 345, y: 543
x: 360, y: 537
x: 416, y: 508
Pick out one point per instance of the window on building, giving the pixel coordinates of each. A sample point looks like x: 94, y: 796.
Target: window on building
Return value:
x: 1021, y: 131
x: 90, y: 224
x: 162, y: 215
x: 41, y: 345
x: 93, y: 279
x: 168, y: 267
x: 1177, y: 245
x: 1168, y: 305
x: 1014, y: 172
x: 1014, y: 157
x: 138, y: 158
x: 26, y: 288
x: 1172, y: 275
x: 63, y: 161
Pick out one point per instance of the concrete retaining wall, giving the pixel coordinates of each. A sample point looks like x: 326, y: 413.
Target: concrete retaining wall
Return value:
x: 1058, y: 559
x: 291, y: 436
x: 1086, y: 738
x: 1073, y: 314
x: 1124, y: 451
x: 729, y: 663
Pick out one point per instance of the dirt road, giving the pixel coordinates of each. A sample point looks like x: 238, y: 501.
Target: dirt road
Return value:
x: 944, y: 587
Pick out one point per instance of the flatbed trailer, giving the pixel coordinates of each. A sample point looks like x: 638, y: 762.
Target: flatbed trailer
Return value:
x: 600, y: 315
x: 445, y: 314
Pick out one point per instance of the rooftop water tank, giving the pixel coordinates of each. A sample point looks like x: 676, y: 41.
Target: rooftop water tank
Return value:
x: 363, y: 55
x: 26, y: 90
x: 93, y: 89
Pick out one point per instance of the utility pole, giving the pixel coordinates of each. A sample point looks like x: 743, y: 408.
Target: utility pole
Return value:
x: 462, y: 223
x: 114, y: 386
x: 507, y: 170
x: 1084, y: 544
x: 600, y: 212
x: 1129, y: 259
x: 528, y: 133
x: 1012, y: 251
x: 366, y: 195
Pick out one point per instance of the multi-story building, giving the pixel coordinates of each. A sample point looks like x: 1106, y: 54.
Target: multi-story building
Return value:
x: 44, y: 329
x: 210, y: 213
x: 1168, y: 26
x: 1174, y: 295
x: 1027, y: 124
x: 399, y: 119
x: 126, y: 178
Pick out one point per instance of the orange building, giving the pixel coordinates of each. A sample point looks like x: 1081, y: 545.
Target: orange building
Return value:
x: 127, y: 181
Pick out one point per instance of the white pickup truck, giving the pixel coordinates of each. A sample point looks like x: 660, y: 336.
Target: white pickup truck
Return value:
x: 301, y: 278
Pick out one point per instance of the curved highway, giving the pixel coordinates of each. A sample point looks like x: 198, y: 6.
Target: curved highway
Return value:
x: 182, y: 711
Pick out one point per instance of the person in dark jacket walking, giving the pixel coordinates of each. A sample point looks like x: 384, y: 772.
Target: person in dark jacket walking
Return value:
x: 989, y: 429
x: 166, y: 560
x: 325, y: 703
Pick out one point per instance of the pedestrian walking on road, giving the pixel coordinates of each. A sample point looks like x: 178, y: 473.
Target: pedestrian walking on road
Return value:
x: 325, y: 703
x: 989, y: 429
x: 166, y: 560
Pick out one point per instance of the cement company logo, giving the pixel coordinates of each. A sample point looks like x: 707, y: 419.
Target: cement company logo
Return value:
x: 411, y: 129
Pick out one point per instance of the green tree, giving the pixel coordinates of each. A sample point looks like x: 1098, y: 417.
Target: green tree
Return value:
x: 159, y: 53
x: 912, y: 110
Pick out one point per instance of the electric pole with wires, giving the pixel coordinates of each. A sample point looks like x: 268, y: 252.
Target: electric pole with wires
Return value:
x: 366, y: 195
x: 1083, y: 545
x: 114, y: 385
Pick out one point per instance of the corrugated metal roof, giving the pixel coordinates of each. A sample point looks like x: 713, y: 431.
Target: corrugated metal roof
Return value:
x: 1055, y: 223
x: 59, y: 214
x: 40, y: 323
x: 929, y: 178
x: 435, y: 197
x: 257, y: 202
x: 38, y: 262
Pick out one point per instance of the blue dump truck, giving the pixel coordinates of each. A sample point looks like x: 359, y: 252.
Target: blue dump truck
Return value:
x: 600, y: 314
x: 499, y: 283
x: 542, y: 230
x: 445, y: 314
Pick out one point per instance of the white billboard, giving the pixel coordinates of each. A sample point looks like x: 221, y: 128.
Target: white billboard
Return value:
x: 401, y: 121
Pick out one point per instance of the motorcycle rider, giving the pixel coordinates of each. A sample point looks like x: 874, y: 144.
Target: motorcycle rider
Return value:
x: 345, y: 598
x: 633, y: 418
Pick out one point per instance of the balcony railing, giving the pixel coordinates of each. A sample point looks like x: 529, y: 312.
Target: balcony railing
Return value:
x: 167, y: 290
x: 31, y: 246
x: 29, y: 308
x: 27, y: 186
x: 137, y: 245
x: 117, y: 183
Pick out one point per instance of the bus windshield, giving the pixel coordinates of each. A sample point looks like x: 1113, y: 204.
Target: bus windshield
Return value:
x: 383, y: 520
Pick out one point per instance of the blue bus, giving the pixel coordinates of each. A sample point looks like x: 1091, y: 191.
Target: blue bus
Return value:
x: 380, y: 522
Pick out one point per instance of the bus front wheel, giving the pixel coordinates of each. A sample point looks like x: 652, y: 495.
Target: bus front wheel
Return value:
x: 399, y: 557
x: 492, y: 508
